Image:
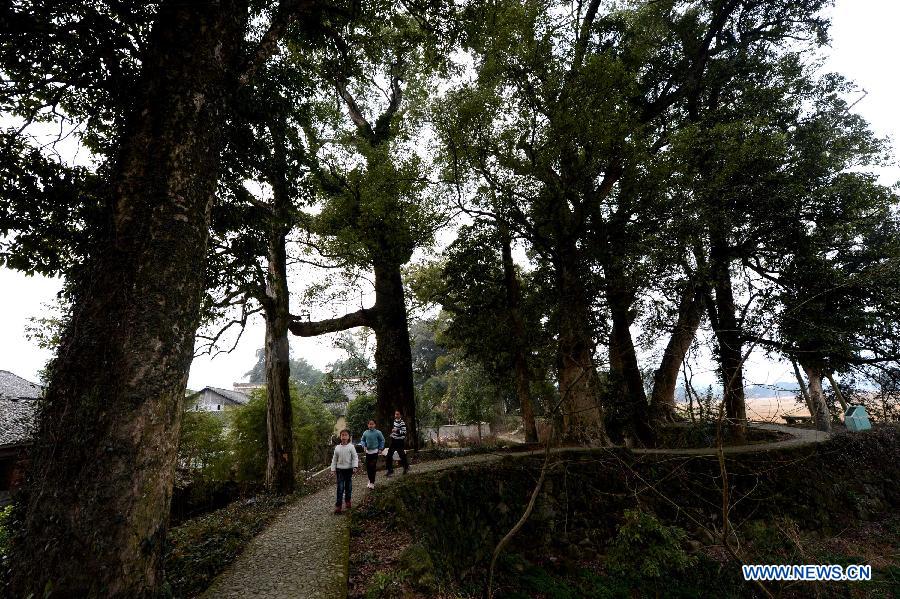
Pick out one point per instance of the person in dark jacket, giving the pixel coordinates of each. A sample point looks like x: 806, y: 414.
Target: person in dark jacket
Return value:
x: 398, y: 443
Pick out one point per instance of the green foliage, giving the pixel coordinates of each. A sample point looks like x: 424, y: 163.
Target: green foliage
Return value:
x: 387, y: 585
x: 359, y: 412
x: 312, y: 429
x: 358, y: 363
x: 377, y: 207
x: 468, y: 283
x: 766, y: 537
x: 302, y: 372
x: 645, y: 548
x: 249, y: 438
x: 471, y: 394
x: 49, y: 213
x: 427, y: 350
x: 313, y: 425
x: 530, y: 580
x: 416, y: 560
x: 5, y: 534
x: 204, y: 449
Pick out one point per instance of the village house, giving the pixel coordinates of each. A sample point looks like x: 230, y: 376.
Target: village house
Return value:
x: 219, y: 400
x: 18, y: 405
x: 216, y: 399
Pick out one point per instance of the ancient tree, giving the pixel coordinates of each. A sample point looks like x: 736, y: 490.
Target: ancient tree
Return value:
x: 103, y: 460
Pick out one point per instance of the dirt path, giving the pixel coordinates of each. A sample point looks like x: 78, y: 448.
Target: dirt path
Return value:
x: 304, y: 552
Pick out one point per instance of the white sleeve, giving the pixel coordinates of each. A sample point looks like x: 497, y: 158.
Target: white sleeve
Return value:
x: 334, y: 458
x: 355, y: 457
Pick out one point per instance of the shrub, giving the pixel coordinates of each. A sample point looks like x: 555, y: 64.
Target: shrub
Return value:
x: 645, y: 548
x: 204, y: 449
x: 312, y: 427
x: 359, y: 412
x: 387, y: 584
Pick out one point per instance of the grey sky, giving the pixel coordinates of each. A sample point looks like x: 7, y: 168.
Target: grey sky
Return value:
x: 865, y: 48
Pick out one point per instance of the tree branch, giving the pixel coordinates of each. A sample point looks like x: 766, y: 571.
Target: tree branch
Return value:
x: 383, y: 123
x: 356, y: 114
x: 360, y: 318
x: 285, y: 14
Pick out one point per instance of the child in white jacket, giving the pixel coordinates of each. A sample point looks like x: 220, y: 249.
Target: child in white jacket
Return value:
x: 344, y: 463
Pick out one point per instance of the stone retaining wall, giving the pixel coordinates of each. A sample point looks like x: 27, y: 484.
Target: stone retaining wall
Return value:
x: 461, y: 513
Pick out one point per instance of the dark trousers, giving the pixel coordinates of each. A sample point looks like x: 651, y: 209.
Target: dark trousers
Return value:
x: 371, y: 464
x: 397, y: 445
x: 344, y: 484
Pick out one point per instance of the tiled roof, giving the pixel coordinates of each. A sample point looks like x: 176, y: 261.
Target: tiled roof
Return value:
x: 15, y: 387
x: 16, y: 420
x: 233, y: 396
x: 17, y: 408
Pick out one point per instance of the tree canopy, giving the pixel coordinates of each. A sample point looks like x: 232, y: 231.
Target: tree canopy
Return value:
x: 539, y: 209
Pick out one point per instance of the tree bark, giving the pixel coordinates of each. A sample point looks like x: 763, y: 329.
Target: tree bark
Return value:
x: 365, y: 317
x: 100, y: 483
x: 814, y: 375
x: 578, y: 383
x: 627, y: 397
x: 393, y: 354
x: 518, y: 339
x: 728, y: 336
x: 801, y: 384
x: 665, y: 379
x: 276, y: 306
x: 627, y: 385
x: 837, y: 391
x: 280, y: 460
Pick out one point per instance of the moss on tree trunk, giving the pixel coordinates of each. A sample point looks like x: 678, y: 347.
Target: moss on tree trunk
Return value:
x: 97, y: 500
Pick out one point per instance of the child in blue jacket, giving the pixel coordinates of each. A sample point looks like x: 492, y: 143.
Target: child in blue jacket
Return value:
x: 372, y: 442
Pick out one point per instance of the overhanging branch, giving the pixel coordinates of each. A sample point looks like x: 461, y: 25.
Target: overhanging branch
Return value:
x: 360, y: 318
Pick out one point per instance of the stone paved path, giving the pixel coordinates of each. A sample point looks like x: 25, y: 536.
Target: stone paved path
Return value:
x: 304, y: 553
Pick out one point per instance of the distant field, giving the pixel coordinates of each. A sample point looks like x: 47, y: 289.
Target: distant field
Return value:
x: 771, y: 409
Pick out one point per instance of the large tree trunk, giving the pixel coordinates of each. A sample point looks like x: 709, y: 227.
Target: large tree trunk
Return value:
x: 97, y: 501
x: 730, y: 344
x: 626, y: 383
x: 629, y: 415
x: 280, y: 461
x: 518, y: 340
x: 578, y: 384
x: 814, y: 374
x: 276, y: 304
x: 665, y: 379
x: 393, y: 355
